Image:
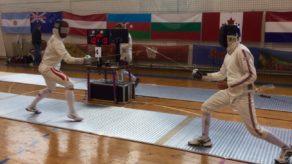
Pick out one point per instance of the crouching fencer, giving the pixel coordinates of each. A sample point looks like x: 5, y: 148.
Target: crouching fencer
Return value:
x: 235, y: 79
x: 50, y: 69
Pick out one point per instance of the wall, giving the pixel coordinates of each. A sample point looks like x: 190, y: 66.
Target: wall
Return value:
x: 2, y: 47
x: 84, y: 7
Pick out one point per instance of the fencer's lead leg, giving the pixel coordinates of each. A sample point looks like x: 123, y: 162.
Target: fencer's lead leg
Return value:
x: 215, y: 102
x: 69, y: 94
x: 204, y: 140
x: 42, y: 94
x: 205, y: 124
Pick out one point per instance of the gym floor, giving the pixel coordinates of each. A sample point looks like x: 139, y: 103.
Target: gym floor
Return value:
x: 23, y: 142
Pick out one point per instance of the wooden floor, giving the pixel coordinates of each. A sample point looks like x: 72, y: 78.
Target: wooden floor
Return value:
x: 27, y: 143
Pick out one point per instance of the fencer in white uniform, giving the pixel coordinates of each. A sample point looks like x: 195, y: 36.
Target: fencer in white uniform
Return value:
x: 235, y: 79
x: 49, y: 68
x: 126, y: 55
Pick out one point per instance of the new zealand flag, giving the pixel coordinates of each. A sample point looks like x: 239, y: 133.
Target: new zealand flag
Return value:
x: 46, y: 19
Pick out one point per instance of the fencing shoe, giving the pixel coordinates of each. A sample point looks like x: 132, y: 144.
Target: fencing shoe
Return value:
x: 33, y: 109
x: 74, y: 117
x: 285, y: 155
x: 201, y: 142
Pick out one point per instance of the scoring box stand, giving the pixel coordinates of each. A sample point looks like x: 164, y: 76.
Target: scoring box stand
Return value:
x: 109, y: 89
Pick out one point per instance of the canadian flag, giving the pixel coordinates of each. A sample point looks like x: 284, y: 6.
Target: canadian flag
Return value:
x: 250, y: 24
x: 79, y: 24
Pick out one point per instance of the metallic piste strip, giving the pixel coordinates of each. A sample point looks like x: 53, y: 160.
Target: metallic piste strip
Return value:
x: 171, y: 133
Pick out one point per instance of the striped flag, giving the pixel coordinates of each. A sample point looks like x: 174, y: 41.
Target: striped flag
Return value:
x: 137, y: 24
x: 278, y: 27
x: 16, y: 22
x: 80, y: 24
x: 176, y: 26
x: 250, y: 25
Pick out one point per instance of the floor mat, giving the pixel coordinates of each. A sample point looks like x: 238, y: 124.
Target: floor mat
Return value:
x: 270, y: 102
x: 231, y: 140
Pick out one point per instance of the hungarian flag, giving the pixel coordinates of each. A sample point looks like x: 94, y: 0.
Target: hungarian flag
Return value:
x: 250, y: 24
x: 278, y: 27
x: 176, y: 26
x: 137, y: 24
x: 79, y: 24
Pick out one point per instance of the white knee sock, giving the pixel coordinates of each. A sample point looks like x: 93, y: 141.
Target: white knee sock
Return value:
x: 206, y: 116
x: 42, y: 94
x: 69, y: 94
x: 274, y: 140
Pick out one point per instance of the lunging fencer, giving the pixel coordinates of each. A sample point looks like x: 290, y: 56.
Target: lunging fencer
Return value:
x: 50, y: 69
x: 235, y: 79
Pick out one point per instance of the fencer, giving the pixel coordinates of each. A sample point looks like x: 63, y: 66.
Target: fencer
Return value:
x: 49, y: 68
x: 126, y: 55
x: 235, y: 81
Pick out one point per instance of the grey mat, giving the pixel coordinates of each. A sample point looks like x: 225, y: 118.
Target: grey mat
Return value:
x: 276, y: 102
x: 231, y: 140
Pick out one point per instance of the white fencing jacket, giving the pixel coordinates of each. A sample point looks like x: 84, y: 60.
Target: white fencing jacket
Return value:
x: 56, y: 52
x: 239, y: 70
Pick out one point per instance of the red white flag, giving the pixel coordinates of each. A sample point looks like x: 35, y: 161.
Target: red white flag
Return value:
x: 250, y: 25
x: 80, y: 24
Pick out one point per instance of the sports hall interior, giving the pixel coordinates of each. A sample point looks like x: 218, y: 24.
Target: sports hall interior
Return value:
x: 164, y: 67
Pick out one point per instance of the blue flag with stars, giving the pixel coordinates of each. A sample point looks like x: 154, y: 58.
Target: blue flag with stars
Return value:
x: 46, y: 19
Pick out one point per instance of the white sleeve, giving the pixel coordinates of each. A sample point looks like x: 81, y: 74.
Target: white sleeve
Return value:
x: 217, y: 76
x: 61, y: 50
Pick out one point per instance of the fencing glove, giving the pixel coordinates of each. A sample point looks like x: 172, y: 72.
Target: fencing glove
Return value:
x: 197, y: 74
x: 87, y: 60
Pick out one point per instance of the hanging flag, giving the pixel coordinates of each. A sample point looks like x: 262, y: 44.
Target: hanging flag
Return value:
x: 278, y: 27
x: 176, y: 26
x: 45, y: 19
x: 250, y: 24
x: 137, y: 24
x: 79, y: 24
x: 16, y: 22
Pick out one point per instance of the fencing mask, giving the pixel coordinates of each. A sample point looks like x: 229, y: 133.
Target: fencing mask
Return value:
x: 63, y: 28
x: 228, y: 30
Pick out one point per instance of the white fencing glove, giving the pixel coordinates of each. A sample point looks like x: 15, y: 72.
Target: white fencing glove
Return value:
x: 87, y: 59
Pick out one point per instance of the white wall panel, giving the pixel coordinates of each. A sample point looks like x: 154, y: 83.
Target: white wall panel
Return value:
x: 84, y: 7
x: 160, y: 6
x: 107, y: 6
x: 134, y: 6
x: 21, y: 6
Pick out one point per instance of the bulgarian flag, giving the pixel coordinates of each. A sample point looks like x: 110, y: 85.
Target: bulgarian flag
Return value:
x: 278, y: 27
x: 137, y: 24
x: 176, y: 26
x: 80, y: 24
x: 250, y: 24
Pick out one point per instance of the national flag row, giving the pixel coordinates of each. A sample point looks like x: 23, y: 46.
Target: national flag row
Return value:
x: 180, y: 26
